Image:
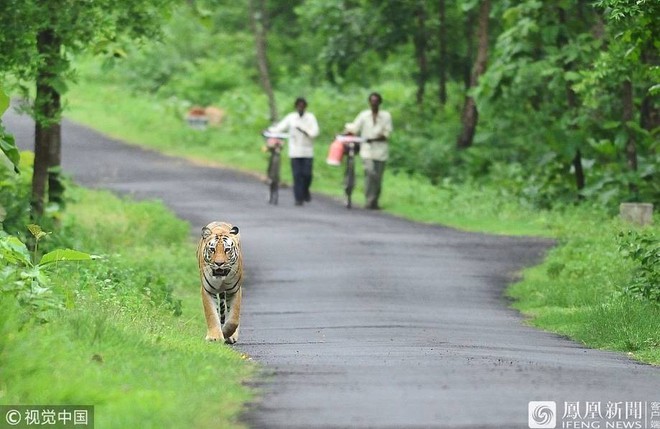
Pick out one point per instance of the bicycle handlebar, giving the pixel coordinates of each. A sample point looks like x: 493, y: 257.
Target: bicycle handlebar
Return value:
x: 269, y: 135
x: 350, y: 139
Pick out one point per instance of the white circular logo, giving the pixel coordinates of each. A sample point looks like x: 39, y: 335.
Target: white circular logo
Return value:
x: 13, y: 417
x: 542, y: 414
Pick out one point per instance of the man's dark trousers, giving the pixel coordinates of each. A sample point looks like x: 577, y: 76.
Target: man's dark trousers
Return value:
x: 302, y: 178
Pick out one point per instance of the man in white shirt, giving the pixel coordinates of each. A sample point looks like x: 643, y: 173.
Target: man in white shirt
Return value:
x: 375, y: 126
x: 303, y: 129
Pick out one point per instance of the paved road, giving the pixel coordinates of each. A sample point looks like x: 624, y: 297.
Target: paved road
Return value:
x: 365, y: 320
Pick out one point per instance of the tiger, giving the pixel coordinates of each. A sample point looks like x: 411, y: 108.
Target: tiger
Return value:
x: 221, y: 273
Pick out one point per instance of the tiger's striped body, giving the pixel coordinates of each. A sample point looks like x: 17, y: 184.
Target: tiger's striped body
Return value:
x: 221, y: 273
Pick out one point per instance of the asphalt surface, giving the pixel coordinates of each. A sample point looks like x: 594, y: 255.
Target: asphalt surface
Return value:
x: 362, y: 319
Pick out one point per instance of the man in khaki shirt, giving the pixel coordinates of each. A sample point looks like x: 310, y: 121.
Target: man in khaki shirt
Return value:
x: 375, y: 126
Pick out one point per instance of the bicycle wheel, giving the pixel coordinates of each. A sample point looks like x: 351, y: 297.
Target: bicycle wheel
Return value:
x: 274, y: 194
x: 349, y: 180
x: 274, y: 177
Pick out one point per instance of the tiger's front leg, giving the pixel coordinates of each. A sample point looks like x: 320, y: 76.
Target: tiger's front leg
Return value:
x: 230, y: 328
x: 213, y: 330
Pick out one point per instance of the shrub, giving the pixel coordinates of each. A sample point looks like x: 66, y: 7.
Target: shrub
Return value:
x: 15, y: 195
x: 28, y: 281
x: 644, y: 249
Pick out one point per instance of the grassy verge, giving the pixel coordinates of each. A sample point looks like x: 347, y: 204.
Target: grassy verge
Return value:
x: 578, y: 291
x: 131, y: 339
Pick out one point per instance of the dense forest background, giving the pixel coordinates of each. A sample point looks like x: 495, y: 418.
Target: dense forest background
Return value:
x: 552, y: 103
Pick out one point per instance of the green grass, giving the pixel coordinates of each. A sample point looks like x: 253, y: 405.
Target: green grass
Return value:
x: 131, y: 341
x: 579, y: 291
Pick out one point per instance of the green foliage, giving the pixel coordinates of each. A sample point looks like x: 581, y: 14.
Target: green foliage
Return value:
x: 28, y: 281
x: 63, y: 255
x: 644, y: 250
x: 15, y: 195
x: 143, y: 279
x: 586, y: 288
x: 104, y: 347
x: 7, y: 143
x: 344, y: 25
x: 553, y: 89
x: 39, y: 38
x: 78, y: 26
x: 193, y: 62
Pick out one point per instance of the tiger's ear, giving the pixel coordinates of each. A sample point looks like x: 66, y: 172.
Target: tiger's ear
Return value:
x: 206, y: 232
x: 234, y: 230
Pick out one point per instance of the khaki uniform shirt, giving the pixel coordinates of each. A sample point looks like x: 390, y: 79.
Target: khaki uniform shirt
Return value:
x: 368, y: 128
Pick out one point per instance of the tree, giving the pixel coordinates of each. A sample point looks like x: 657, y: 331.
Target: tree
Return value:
x: 571, y: 96
x: 259, y: 25
x: 528, y: 92
x: 40, y: 37
x: 396, y: 23
x: 628, y: 65
x: 342, y: 32
x: 627, y: 101
x: 359, y: 35
x: 470, y: 115
x: 420, y: 41
x: 48, y: 109
x: 442, y: 58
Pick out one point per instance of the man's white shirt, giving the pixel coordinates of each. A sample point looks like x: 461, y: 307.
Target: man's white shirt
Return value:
x: 300, y: 144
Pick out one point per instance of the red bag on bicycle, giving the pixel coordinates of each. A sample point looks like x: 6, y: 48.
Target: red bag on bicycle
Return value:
x: 335, y: 153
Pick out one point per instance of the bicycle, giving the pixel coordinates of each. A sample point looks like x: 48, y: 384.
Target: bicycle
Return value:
x: 274, y: 143
x: 351, y: 147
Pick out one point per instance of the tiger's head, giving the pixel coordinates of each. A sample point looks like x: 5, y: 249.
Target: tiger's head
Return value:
x: 219, y: 248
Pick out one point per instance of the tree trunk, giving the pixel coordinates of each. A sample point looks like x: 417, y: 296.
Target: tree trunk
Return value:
x: 649, y: 115
x: 42, y: 136
x: 47, y: 111
x: 258, y: 22
x: 470, y: 115
x: 628, y: 108
x: 442, y: 66
x: 55, y: 183
x: 469, y: 41
x: 579, y: 171
x: 420, y: 51
x: 577, y: 159
x: 572, y: 102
